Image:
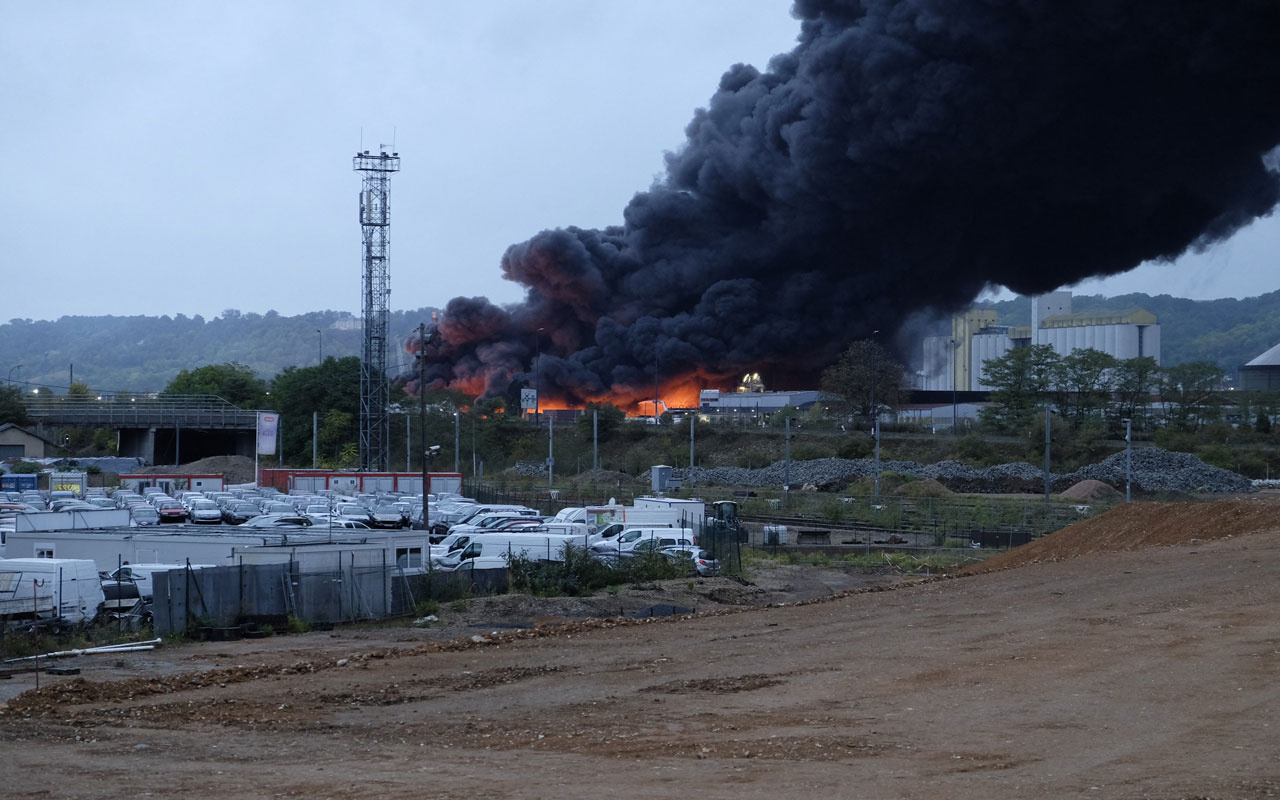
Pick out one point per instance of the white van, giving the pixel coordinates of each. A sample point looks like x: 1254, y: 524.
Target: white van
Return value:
x: 493, y: 550
x: 610, y: 532
x: 626, y: 539
x: 62, y: 589
x: 454, y: 541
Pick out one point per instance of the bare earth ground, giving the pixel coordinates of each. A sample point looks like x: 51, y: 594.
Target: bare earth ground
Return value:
x: 1081, y: 669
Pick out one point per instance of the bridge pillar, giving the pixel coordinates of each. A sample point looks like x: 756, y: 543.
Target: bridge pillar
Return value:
x: 138, y: 443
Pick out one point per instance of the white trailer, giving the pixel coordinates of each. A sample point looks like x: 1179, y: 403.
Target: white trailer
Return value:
x: 63, y: 589
x: 651, y: 512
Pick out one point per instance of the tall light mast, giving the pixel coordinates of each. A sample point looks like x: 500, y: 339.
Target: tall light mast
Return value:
x: 375, y: 223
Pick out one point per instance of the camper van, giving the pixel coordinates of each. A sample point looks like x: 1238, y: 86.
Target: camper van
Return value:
x: 65, y: 591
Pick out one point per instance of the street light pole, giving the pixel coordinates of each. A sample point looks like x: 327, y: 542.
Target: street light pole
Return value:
x: 320, y: 352
x: 9, y: 380
x: 422, y: 420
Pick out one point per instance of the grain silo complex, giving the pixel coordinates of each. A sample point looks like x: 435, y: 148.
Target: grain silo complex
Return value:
x: 957, y: 361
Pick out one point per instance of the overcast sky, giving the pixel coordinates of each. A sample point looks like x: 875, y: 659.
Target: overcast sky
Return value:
x: 173, y: 157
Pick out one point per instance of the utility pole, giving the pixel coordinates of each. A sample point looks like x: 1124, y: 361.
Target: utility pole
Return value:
x: 875, y: 412
x: 1128, y: 460
x: 955, y: 407
x: 457, y: 437
x: 691, y: 416
x: 1046, y: 453
x: 315, y: 439
x: 786, y: 470
x: 551, y: 449
x: 537, y: 376
x: 595, y: 440
x: 422, y: 417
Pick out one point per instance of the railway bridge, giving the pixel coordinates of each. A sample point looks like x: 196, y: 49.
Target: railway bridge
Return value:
x: 162, y: 429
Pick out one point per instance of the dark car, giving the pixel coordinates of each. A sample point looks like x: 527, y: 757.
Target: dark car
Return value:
x: 239, y: 513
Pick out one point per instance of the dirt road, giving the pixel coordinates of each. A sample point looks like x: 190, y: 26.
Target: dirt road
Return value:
x: 1150, y: 673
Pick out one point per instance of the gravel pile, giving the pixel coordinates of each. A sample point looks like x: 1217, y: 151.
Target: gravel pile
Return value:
x: 529, y: 469
x: 1154, y: 470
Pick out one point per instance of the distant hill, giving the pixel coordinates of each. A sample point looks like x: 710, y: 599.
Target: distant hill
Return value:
x: 1228, y: 332
x: 144, y: 353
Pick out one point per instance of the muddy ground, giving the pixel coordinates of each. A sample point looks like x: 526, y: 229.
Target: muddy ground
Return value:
x: 1088, y: 669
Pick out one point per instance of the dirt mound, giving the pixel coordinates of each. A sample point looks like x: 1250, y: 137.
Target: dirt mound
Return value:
x: 926, y: 487
x: 603, y: 476
x: 1133, y: 526
x: 236, y: 469
x: 1092, y: 490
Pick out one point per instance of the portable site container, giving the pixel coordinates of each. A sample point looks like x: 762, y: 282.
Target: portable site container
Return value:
x: 174, y: 482
x: 317, y: 480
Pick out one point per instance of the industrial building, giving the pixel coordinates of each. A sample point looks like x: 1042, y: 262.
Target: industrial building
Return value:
x: 956, y: 362
x: 754, y: 404
x: 1263, y: 373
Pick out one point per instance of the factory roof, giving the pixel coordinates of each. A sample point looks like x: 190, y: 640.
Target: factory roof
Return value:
x: 1128, y: 316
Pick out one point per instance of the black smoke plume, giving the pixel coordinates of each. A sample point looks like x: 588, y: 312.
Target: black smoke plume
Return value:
x: 906, y: 154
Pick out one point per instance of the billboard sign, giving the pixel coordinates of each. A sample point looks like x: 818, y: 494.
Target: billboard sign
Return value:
x: 268, y: 423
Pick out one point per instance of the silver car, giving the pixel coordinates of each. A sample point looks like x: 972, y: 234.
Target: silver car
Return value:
x: 206, y: 512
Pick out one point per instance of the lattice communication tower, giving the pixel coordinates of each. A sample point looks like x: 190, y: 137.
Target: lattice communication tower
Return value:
x: 375, y: 224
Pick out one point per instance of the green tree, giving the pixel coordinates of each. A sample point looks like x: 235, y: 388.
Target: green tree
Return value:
x: 1084, y: 379
x: 865, y: 369
x: 12, y: 409
x: 1136, y: 379
x: 1188, y: 393
x: 235, y: 383
x: 608, y: 419
x: 1020, y: 380
x: 331, y: 390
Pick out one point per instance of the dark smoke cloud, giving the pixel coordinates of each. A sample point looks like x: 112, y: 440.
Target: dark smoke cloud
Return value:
x: 905, y: 155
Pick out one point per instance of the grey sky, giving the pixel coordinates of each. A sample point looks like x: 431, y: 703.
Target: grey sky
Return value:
x: 170, y: 158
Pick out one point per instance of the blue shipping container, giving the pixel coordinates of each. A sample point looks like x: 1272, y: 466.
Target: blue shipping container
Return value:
x: 10, y: 482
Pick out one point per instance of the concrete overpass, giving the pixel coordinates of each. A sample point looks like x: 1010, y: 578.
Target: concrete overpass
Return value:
x: 163, y: 429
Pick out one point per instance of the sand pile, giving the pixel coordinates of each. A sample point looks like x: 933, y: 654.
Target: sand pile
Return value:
x: 1092, y: 490
x: 1133, y: 526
